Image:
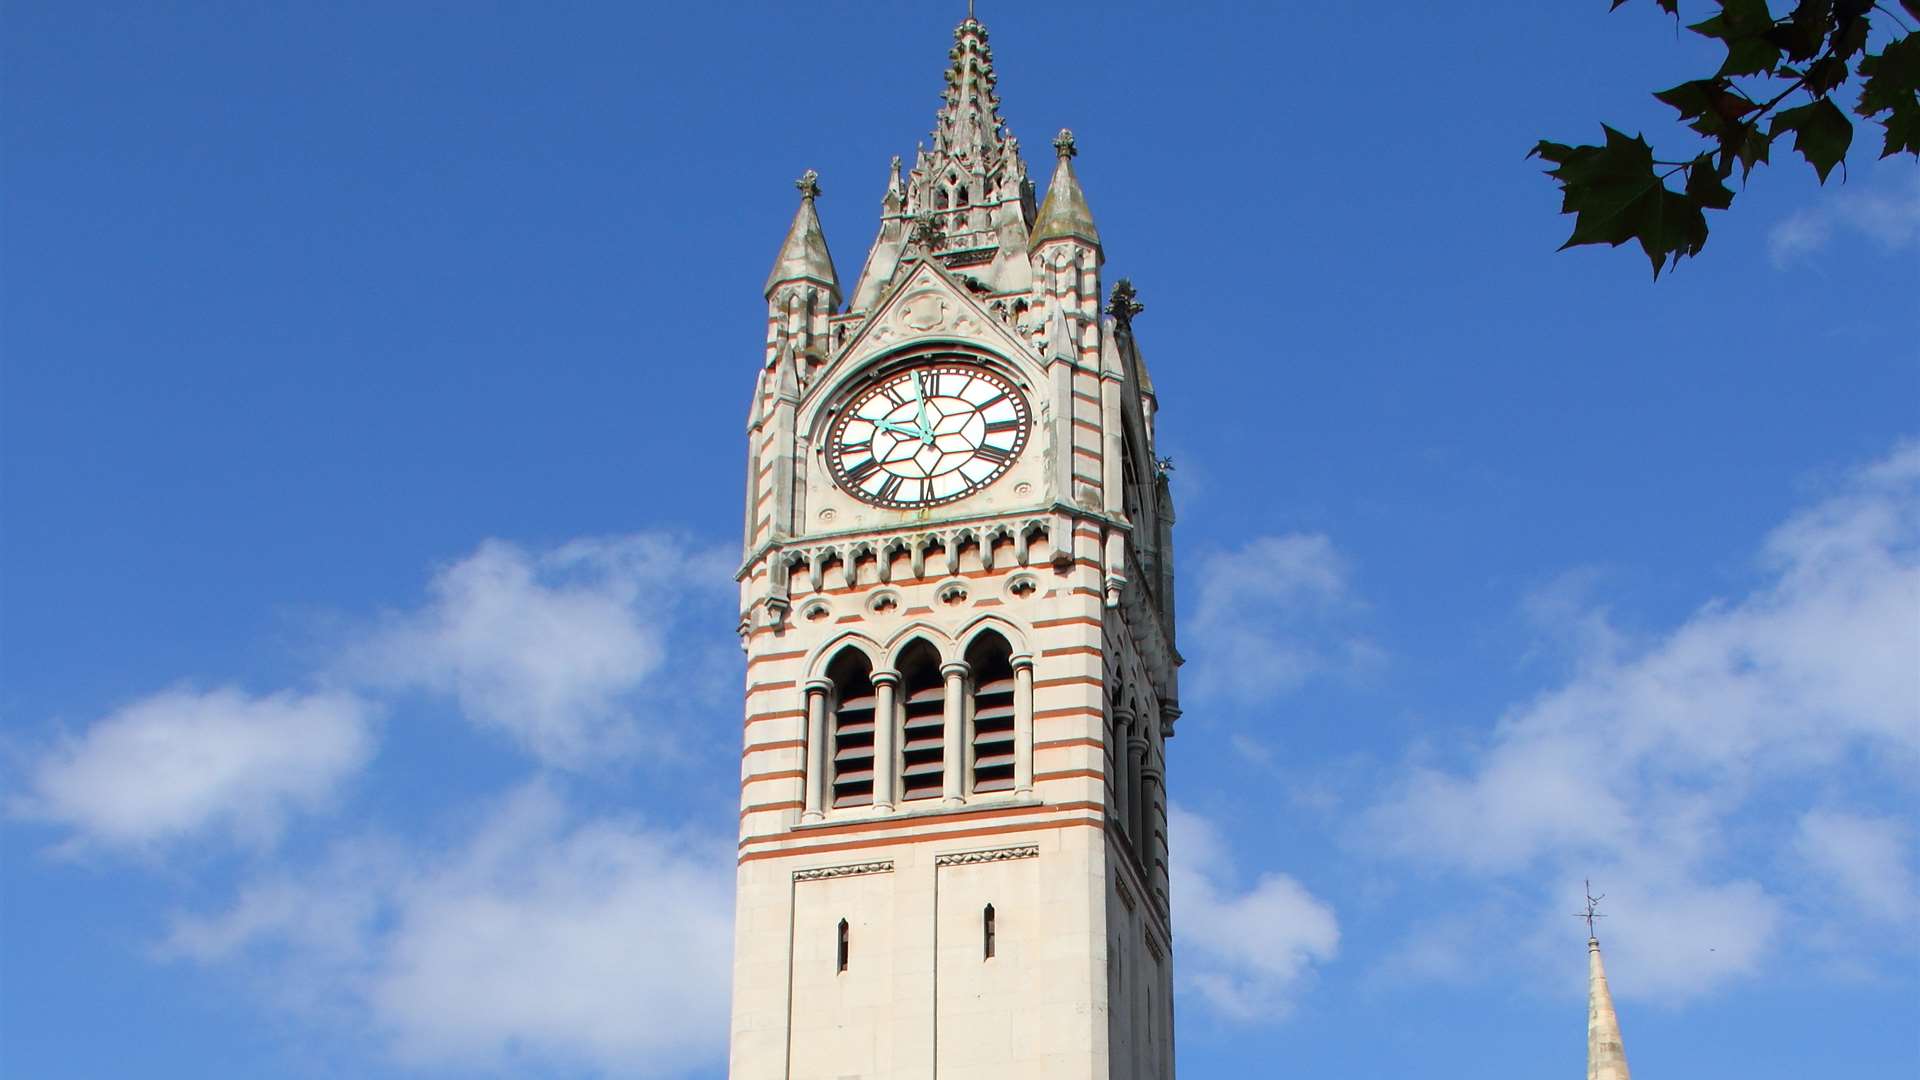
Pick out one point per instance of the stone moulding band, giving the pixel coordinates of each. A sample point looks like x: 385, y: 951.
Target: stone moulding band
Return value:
x: 970, y: 858
x: 850, y: 870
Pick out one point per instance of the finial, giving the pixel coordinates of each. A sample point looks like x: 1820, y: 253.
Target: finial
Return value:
x: 1063, y: 143
x: 1592, y: 912
x: 1124, y: 304
x: 809, y: 185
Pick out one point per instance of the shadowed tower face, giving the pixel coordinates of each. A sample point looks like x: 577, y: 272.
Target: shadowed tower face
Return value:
x: 956, y: 600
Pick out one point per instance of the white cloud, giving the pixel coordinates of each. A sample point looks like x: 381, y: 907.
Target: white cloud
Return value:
x: 183, y: 762
x: 1864, y: 859
x: 1245, y: 951
x: 542, y: 938
x: 1265, y: 618
x: 1669, y: 773
x: 555, y: 649
x: 1888, y: 214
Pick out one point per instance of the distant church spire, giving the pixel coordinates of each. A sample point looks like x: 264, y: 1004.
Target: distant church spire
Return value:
x: 1606, y: 1054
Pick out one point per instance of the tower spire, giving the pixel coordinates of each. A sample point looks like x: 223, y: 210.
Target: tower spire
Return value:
x: 1065, y: 214
x: 1606, y: 1053
x: 968, y: 181
x: 803, y: 256
x: 968, y: 123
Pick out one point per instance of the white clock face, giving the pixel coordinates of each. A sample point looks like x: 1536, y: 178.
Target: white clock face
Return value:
x: 928, y: 435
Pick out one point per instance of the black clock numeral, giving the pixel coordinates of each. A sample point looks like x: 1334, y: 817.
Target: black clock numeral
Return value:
x: 889, y: 487
x: 893, y: 395
x: 994, y: 454
x: 1003, y: 425
x: 858, y: 473
x: 991, y: 402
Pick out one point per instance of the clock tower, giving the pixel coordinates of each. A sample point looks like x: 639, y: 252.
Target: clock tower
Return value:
x: 956, y: 600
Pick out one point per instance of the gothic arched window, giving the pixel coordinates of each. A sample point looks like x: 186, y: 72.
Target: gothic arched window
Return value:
x: 923, y: 707
x: 990, y: 661
x: 852, y: 743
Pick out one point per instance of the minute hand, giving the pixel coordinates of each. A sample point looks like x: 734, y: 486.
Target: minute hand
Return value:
x: 919, y: 399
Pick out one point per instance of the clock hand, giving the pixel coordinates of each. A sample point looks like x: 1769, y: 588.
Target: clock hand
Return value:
x: 919, y: 399
x: 898, y: 429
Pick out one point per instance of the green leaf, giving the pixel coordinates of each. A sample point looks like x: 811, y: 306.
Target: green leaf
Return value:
x: 1692, y: 98
x: 1849, y: 36
x: 1752, y: 149
x: 1737, y: 19
x: 1704, y: 186
x: 1821, y: 132
x: 1903, y: 132
x: 1671, y: 227
x: 1891, y: 78
x: 1804, y: 29
x: 1825, y: 74
x: 1749, y: 56
x: 1892, y: 86
x: 1615, y: 196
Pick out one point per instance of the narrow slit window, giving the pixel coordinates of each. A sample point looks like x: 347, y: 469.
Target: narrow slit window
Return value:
x: 987, y: 933
x: 840, y: 949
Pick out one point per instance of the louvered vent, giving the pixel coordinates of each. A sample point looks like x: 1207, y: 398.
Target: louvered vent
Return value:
x: 923, y: 730
x: 992, y: 714
x: 853, y: 727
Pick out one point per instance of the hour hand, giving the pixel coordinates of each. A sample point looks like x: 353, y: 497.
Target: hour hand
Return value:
x: 900, y: 429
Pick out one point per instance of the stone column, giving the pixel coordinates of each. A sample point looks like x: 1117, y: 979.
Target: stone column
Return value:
x: 1153, y: 853
x: 1122, y: 765
x: 886, y: 728
x: 1137, y: 796
x: 1023, y: 724
x: 816, y: 779
x: 953, y: 767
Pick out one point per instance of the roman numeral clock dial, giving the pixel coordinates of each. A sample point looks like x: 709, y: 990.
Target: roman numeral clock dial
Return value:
x: 928, y: 435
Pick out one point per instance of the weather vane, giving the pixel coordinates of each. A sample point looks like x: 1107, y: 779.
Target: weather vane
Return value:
x: 1593, y: 909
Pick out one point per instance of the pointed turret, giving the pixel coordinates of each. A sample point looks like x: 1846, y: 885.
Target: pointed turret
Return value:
x: 1065, y: 214
x: 804, y: 256
x: 1606, y: 1054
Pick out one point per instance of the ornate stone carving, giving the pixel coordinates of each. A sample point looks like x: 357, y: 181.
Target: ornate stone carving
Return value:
x: 927, y: 311
x: 972, y: 858
x: 850, y: 870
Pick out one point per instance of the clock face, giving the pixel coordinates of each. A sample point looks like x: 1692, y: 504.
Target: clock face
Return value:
x: 928, y: 435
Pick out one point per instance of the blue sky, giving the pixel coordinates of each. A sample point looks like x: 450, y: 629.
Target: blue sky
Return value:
x: 372, y: 424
